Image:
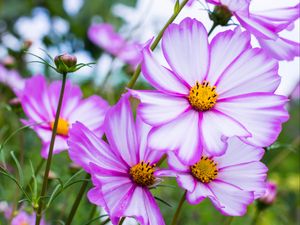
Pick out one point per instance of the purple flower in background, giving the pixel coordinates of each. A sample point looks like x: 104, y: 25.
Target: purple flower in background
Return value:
x: 39, y: 102
x: 105, y: 37
x: 264, y: 25
x: 231, y: 181
x: 122, y: 171
x: 12, y: 79
x: 270, y: 195
x: 295, y: 95
x: 212, y: 92
x: 24, y: 218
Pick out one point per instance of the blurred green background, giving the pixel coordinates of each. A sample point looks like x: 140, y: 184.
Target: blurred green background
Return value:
x: 282, y: 158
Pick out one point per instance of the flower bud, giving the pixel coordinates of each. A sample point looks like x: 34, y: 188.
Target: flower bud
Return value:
x: 221, y: 15
x: 65, y: 63
x: 270, y: 194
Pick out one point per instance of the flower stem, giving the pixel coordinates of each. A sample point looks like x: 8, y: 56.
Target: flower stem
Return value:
x: 256, y: 217
x: 50, y: 154
x: 228, y: 220
x: 180, y: 204
x: 122, y: 220
x: 78, y: 200
x: 212, y: 29
x: 156, y: 41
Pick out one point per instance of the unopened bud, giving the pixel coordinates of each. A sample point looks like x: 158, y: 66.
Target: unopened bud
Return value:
x: 221, y: 15
x: 270, y: 195
x: 8, y: 62
x: 65, y: 63
x: 27, y: 44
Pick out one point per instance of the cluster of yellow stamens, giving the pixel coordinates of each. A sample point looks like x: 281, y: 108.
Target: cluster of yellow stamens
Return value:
x: 62, y: 127
x: 203, y: 97
x: 205, y: 170
x: 142, y: 174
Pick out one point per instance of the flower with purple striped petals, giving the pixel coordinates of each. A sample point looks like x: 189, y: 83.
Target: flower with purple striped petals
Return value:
x: 39, y: 102
x: 210, y: 93
x: 231, y: 181
x: 122, y: 171
x: 105, y: 37
x: 264, y: 25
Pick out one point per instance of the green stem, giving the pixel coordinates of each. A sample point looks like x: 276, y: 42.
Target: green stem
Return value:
x: 105, y: 221
x: 122, y: 220
x: 179, y: 207
x: 212, y: 28
x: 228, y: 220
x: 256, y: 217
x: 50, y: 154
x: 78, y: 200
x: 37, y: 170
x: 155, y: 42
x: 93, y: 211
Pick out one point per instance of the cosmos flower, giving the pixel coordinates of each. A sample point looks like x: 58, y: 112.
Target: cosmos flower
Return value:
x: 24, y: 218
x: 212, y: 92
x: 231, y: 181
x: 270, y: 195
x: 105, y: 37
x: 39, y: 102
x: 123, y: 170
x: 264, y: 25
x: 12, y: 79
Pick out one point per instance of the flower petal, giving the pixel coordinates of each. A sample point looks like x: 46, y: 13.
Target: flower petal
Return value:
x: 252, y: 71
x: 120, y: 131
x: 182, y: 135
x: 224, y: 49
x: 200, y: 192
x: 160, y: 77
x: 249, y: 176
x: 216, y: 128
x: 233, y: 201
x: 144, y: 208
x: 59, y: 146
x: 281, y: 48
x: 86, y: 147
x: 261, y: 113
x: 157, y: 108
x: 185, y: 47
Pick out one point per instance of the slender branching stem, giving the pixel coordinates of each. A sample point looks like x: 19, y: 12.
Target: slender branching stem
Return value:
x: 178, y: 210
x: 50, y: 154
x: 156, y: 41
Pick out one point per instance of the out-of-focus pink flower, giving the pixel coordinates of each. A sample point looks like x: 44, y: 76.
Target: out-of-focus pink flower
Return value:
x: 212, y: 92
x: 231, y: 181
x: 296, y: 93
x: 39, y: 102
x: 105, y: 37
x: 266, y: 26
x: 24, y: 218
x: 123, y: 171
x: 270, y: 193
x: 12, y: 79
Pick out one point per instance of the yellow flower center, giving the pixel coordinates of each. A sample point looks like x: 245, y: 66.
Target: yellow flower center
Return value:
x: 205, y: 170
x: 203, y: 97
x: 142, y: 174
x: 62, y: 127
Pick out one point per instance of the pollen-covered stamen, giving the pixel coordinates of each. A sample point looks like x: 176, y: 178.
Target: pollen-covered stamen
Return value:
x: 62, y: 127
x: 142, y: 174
x: 205, y: 170
x: 203, y: 97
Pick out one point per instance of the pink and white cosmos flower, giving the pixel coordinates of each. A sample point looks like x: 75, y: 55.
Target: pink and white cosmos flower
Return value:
x: 231, y: 181
x: 105, y: 37
x: 266, y: 26
x: 122, y: 171
x: 212, y: 92
x: 12, y: 79
x: 39, y: 102
x: 24, y: 218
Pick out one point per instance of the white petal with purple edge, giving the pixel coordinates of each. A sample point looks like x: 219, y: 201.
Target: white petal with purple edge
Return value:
x: 185, y: 47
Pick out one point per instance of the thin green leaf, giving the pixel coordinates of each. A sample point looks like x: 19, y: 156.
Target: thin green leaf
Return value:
x: 163, y: 201
x: 20, y: 170
x: 95, y: 219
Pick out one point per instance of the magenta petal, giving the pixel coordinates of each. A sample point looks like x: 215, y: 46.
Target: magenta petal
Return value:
x: 185, y: 47
x: 182, y: 134
x: 236, y: 5
x: 144, y: 208
x: 59, y: 146
x: 120, y: 131
x: 158, y: 108
x: 95, y: 196
x: 200, y: 192
x: 86, y: 147
x: 261, y: 113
